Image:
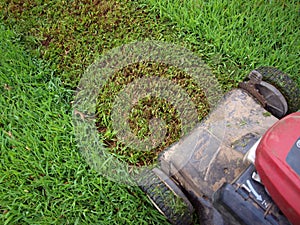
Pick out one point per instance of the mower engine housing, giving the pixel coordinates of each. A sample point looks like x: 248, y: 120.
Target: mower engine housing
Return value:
x: 277, y: 162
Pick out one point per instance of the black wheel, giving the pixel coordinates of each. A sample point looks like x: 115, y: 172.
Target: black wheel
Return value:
x: 281, y: 93
x: 167, y: 197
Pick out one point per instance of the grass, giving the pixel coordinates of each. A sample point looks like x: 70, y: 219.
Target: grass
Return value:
x: 45, y: 179
x: 72, y: 35
x: 240, y: 35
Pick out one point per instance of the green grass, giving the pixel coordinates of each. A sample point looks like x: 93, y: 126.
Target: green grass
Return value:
x: 238, y: 36
x: 45, y: 180
x: 71, y: 35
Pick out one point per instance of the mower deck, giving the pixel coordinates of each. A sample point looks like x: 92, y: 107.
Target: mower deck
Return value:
x: 212, y: 154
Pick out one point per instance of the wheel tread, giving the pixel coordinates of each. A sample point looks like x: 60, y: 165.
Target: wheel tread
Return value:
x: 150, y: 183
x: 284, y: 84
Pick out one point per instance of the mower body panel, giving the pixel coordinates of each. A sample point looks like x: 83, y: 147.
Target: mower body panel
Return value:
x: 212, y: 154
x: 278, y: 164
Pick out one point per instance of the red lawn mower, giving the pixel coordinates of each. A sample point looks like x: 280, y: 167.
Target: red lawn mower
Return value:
x: 241, y: 165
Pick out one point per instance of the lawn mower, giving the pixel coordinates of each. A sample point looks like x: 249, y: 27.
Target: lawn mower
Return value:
x: 240, y: 165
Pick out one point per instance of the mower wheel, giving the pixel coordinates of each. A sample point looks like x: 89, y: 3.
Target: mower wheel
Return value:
x: 167, y: 197
x: 285, y: 85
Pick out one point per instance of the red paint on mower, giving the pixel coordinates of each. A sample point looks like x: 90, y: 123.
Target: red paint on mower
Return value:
x: 278, y: 164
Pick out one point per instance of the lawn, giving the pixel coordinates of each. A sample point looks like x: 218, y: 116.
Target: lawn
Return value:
x: 45, y: 48
x: 44, y: 179
x: 237, y: 35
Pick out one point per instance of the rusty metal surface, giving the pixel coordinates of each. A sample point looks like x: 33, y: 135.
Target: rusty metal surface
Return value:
x: 202, y: 161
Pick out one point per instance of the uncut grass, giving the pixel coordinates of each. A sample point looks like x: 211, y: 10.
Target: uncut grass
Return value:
x: 44, y: 179
x: 240, y: 35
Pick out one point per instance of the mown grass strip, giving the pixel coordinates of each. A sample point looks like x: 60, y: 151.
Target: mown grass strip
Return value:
x: 71, y: 35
